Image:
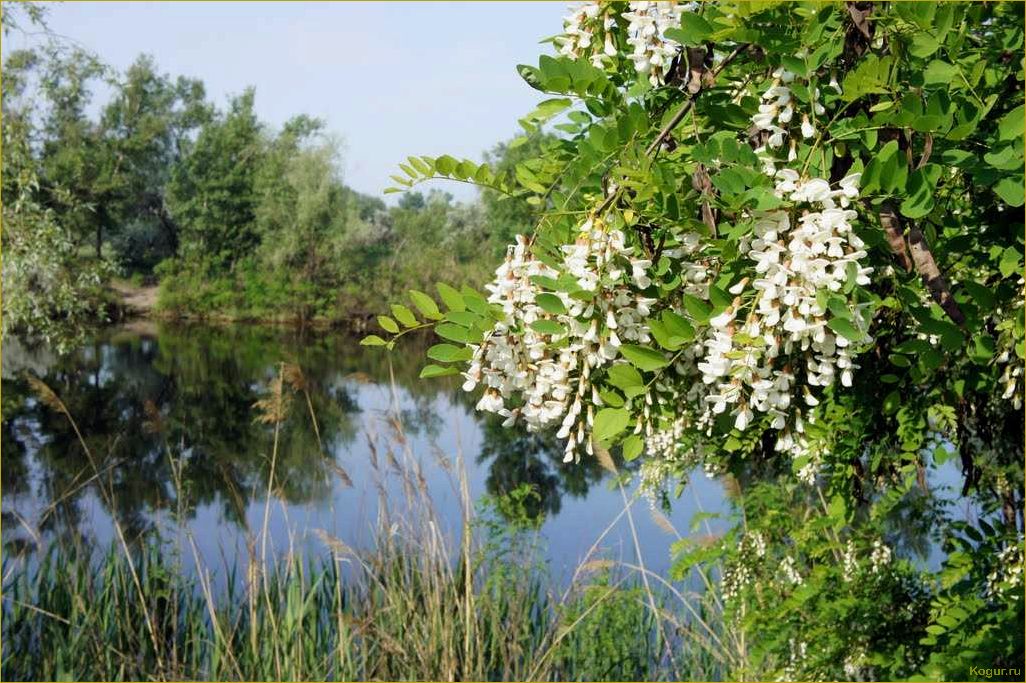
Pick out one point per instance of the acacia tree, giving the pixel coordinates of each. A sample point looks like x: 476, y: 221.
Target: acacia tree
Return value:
x: 783, y: 242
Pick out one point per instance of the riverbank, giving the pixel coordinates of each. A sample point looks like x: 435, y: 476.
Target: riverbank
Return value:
x: 143, y: 301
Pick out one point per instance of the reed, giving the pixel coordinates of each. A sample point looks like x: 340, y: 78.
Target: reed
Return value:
x: 422, y: 603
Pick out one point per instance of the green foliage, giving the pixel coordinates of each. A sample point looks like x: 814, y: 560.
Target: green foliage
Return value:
x: 49, y: 288
x: 213, y: 192
x: 915, y: 113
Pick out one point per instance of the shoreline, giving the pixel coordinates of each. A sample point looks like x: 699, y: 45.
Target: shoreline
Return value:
x: 139, y: 303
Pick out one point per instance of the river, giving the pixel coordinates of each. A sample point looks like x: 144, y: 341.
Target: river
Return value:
x: 175, y: 449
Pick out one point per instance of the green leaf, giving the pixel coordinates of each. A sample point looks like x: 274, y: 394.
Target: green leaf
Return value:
x: 452, y: 332
x: 474, y: 301
x: 633, y: 445
x: 1010, y: 127
x: 463, y: 318
x: 663, y: 336
x: 548, y: 327
x: 437, y: 371
x: 447, y: 353
x: 719, y: 298
x: 372, y: 340
x: 426, y: 305
x: 550, y: 303
x: 838, y: 511
x: 699, y: 310
x: 920, y: 195
x: 1004, y: 158
x: 387, y: 324
x: 923, y: 45
x: 899, y: 361
x: 420, y: 165
x: 1010, y: 190
x: 644, y: 358
x: 845, y: 328
x: 872, y: 75
x: 678, y: 326
x: 984, y: 296
x: 694, y: 30
x: 983, y: 348
x: 452, y: 299
x: 609, y: 422
x: 611, y: 397
x: 1009, y: 262
x: 404, y: 315
x: 939, y: 72
x: 446, y: 164
x: 625, y: 377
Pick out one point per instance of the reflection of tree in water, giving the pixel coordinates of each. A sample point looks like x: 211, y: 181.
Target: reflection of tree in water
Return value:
x: 520, y: 457
x: 182, y: 400
x: 187, y: 394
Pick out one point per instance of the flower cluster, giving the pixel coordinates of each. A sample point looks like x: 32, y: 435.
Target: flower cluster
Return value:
x: 880, y: 557
x: 537, y: 362
x: 753, y: 365
x: 1011, y: 378
x: 1007, y: 574
x: 790, y: 571
x: 653, y: 51
x: 587, y: 34
x: 777, y: 112
x: 736, y: 577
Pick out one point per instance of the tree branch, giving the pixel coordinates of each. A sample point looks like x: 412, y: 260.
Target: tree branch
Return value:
x: 677, y: 118
x: 919, y: 256
x: 893, y: 231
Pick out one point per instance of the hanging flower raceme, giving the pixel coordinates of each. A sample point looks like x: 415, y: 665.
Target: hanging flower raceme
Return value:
x: 775, y: 352
x: 537, y: 362
x: 588, y: 33
x: 780, y: 113
x: 646, y: 34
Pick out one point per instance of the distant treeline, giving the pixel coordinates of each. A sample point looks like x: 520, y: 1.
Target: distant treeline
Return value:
x: 233, y: 217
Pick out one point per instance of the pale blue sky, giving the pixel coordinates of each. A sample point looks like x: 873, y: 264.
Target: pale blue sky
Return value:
x: 391, y: 78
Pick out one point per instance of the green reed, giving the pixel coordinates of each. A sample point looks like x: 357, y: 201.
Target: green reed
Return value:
x: 398, y: 616
x: 421, y: 604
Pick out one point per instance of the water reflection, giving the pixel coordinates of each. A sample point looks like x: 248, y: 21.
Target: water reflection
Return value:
x: 169, y: 417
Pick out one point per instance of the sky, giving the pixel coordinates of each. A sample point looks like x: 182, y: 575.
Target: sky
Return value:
x: 390, y: 78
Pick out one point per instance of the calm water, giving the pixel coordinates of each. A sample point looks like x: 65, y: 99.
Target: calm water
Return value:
x: 168, y: 415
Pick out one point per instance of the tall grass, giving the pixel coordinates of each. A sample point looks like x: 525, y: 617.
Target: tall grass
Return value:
x: 422, y: 603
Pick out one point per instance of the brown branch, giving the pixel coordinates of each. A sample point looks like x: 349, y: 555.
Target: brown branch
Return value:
x: 919, y: 256
x: 892, y: 230
x: 926, y: 266
x: 927, y: 150
x: 701, y: 181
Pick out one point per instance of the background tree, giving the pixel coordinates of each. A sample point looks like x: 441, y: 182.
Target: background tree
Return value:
x: 148, y: 127
x: 213, y: 189
x: 48, y: 288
